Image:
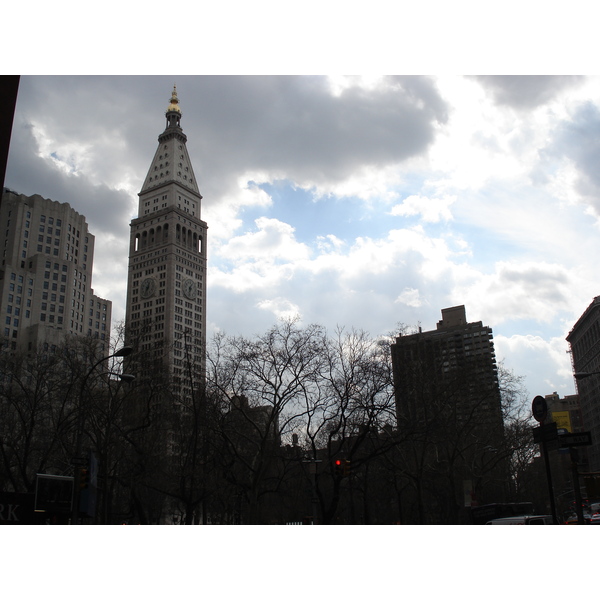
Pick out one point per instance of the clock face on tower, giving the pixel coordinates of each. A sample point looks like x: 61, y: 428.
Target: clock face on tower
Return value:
x: 189, y: 289
x: 148, y: 288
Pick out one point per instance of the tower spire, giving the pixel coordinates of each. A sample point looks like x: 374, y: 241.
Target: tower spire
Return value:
x: 173, y: 113
x: 171, y: 162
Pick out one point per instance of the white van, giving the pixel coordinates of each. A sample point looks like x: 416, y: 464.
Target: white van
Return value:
x: 523, y: 520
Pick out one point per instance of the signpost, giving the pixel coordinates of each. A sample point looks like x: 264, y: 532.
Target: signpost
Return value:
x: 542, y: 435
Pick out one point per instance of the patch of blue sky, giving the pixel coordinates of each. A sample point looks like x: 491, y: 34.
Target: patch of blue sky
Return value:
x: 312, y: 217
x: 483, y: 247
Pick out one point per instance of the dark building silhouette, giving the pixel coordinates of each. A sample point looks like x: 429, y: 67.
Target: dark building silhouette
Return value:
x: 584, y: 340
x: 448, y: 408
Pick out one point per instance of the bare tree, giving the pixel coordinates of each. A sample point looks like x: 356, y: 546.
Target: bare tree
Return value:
x: 264, y: 385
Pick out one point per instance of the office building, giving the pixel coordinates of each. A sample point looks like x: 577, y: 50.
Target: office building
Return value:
x: 166, y: 287
x: 584, y: 340
x: 46, y: 275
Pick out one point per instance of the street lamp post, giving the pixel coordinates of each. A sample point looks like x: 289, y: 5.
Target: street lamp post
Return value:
x: 77, y: 459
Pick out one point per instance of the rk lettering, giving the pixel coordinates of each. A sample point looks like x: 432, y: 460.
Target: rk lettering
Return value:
x: 8, y: 512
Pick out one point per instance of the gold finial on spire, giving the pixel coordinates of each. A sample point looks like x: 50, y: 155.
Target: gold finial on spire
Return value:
x: 174, y: 101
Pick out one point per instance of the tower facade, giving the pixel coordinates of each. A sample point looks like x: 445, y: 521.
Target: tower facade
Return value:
x: 166, y: 286
x: 46, y: 275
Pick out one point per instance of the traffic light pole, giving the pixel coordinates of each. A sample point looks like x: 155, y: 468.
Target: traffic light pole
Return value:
x: 542, y: 435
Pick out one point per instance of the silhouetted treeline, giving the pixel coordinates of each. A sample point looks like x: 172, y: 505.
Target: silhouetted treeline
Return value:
x: 293, y: 425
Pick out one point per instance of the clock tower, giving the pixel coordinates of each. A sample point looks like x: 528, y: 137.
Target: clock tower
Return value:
x: 166, y: 285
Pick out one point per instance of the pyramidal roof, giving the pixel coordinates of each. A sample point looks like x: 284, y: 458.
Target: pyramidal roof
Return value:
x: 171, y: 163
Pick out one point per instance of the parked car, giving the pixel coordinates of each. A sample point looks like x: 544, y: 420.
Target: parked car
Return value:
x: 572, y: 519
x: 523, y: 520
x: 595, y: 519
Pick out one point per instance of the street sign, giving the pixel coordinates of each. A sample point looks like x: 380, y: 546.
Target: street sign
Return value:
x: 567, y: 440
x: 539, y: 408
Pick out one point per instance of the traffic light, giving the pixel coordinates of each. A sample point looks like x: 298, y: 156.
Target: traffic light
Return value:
x: 338, y: 467
x: 84, y: 479
x: 341, y: 467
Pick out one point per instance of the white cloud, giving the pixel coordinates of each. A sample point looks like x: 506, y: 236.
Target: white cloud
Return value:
x: 274, y: 241
x: 367, y: 183
x: 432, y: 210
x: 326, y: 243
x: 518, y: 291
x: 223, y: 217
x: 281, y: 308
x: 410, y: 297
x: 545, y: 362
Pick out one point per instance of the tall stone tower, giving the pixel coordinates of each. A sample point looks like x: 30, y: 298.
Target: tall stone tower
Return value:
x: 166, y: 286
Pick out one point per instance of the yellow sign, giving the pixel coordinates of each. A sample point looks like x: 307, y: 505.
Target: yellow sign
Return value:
x: 562, y: 419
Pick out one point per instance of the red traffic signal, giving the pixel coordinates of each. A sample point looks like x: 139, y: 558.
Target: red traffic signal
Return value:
x: 341, y: 467
x: 338, y: 467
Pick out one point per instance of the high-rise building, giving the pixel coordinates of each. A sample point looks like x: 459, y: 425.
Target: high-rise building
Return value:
x: 448, y: 406
x: 584, y: 340
x: 458, y: 352
x: 166, y: 287
x: 46, y: 275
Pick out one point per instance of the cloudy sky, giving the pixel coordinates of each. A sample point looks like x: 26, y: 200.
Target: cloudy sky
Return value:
x: 355, y: 201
